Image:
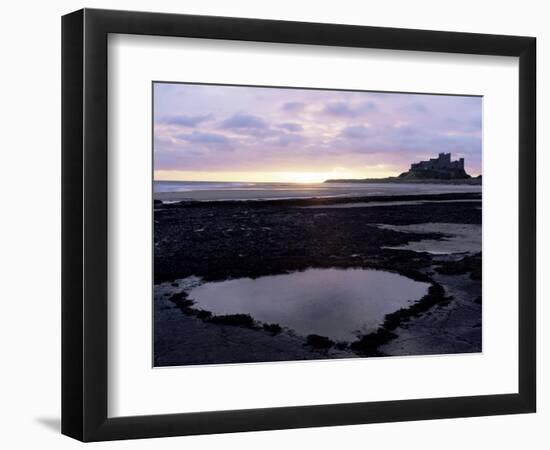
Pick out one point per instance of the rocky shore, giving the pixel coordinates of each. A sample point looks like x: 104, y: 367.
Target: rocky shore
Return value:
x: 214, y: 241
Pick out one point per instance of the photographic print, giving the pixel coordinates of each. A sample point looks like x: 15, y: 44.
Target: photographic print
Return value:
x: 305, y: 224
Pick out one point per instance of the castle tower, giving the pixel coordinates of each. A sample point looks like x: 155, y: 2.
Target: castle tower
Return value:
x: 445, y: 158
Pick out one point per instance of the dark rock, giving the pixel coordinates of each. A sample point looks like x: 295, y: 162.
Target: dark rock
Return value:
x: 273, y: 328
x: 368, y: 344
x: 341, y: 345
x: 203, y: 314
x: 320, y: 342
x: 435, y: 296
x: 181, y: 301
x: 471, y: 264
x: 238, y: 320
x: 295, y: 241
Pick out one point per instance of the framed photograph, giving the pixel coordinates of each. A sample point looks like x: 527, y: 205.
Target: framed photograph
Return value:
x: 273, y: 224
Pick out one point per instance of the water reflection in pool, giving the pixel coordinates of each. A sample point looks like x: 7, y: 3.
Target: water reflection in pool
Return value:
x: 330, y: 302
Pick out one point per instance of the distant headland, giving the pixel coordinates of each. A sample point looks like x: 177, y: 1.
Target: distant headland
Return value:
x: 439, y: 170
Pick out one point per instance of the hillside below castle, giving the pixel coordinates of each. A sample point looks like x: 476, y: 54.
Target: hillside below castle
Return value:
x: 435, y: 170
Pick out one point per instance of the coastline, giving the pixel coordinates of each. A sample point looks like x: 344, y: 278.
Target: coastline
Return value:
x: 474, y: 181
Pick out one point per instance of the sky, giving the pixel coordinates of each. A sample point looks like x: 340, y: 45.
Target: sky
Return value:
x: 240, y: 133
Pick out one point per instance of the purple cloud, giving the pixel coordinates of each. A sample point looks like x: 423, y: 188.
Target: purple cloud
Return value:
x: 291, y: 126
x: 368, y: 107
x: 183, y: 120
x: 285, y: 140
x: 357, y: 132
x: 245, y: 121
x: 204, y: 138
x: 344, y: 109
x: 415, y: 107
x: 339, y: 109
x: 293, y: 106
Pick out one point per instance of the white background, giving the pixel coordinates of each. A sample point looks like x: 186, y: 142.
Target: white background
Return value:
x: 136, y: 389
x: 30, y: 236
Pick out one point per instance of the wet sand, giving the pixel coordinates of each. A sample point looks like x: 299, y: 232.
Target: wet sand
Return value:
x: 458, y: 238
x: 388, y: 203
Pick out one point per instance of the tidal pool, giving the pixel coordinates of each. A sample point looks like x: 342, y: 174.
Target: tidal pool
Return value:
x: 459, y: 238
x: 338, y: 303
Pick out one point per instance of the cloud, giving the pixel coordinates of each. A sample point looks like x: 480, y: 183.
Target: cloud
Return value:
x: 284, y: 140
x: 184, y: 120
x: 472, y: 125
x: 344, y: 109
x: 415, y: 107
x: 244, y: 121
x: 404, y: 131
x: 357, y: 132
x: 291, y: 126
x: 339, y: 109
x: 204, y: 138
x: 293, y: 106
x: 368, y: 107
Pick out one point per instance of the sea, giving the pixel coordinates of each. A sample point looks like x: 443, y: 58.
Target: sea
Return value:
x: 224, y: 190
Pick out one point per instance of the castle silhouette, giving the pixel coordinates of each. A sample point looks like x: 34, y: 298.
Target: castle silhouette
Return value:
x: 437, y: 168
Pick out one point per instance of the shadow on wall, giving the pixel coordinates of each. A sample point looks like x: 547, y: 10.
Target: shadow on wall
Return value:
x: 52, y: 423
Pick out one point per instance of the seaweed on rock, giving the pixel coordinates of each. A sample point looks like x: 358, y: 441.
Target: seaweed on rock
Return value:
x: 319, y: 342
x: 238, y: 320
x: 368, y: 344
x: 468, y: 264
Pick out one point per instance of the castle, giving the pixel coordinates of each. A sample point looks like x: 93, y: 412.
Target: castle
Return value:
x: 437, y: 168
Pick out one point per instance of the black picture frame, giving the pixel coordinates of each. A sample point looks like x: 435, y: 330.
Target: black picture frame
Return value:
x: 84, y: 224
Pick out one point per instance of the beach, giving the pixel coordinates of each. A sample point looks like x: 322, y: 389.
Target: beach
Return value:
x: 251, y: 236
